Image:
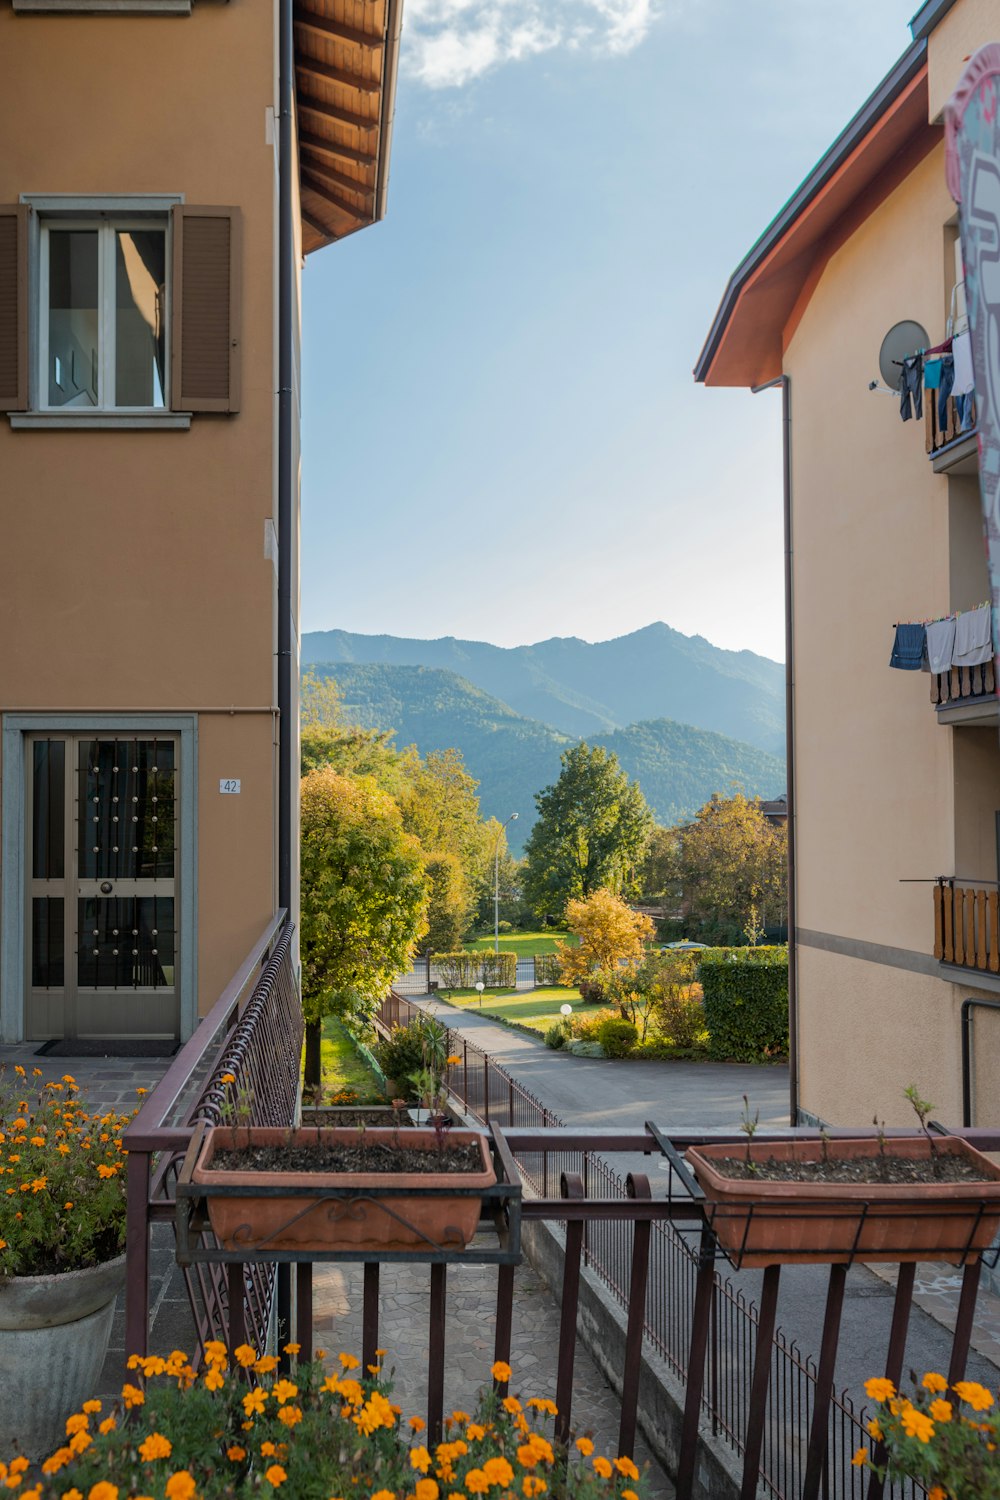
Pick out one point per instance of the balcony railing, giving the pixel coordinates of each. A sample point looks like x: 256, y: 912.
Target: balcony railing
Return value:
x: 967, y: 924
x: 962, y: 685
x: 938, y: 436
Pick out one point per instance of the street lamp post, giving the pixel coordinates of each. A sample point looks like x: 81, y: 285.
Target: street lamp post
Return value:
x: 496, y: 883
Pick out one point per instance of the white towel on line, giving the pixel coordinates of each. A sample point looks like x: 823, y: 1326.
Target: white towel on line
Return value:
x: 940, y: 644
x: 973, y: 638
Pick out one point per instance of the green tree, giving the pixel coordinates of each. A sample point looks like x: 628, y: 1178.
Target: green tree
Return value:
x: 364, y: 900
x: 448, y: 905
x: 732, y: 870
x: 659, y: 878
x: 591, y: 833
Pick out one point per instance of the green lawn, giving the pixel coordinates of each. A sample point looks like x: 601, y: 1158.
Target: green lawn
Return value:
x: 522, y: 943
x: 342, y: 1067
x: 538, y: 1009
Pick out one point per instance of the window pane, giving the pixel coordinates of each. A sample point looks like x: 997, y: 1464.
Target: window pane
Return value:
x: 73, y: 318
x: 47, y: 942
x: 48, y: 810
x: 126, y: 809
x: 140, y: 309
x: 126, y: 942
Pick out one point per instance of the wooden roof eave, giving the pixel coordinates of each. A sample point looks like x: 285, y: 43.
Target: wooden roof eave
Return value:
x: 343, y: 151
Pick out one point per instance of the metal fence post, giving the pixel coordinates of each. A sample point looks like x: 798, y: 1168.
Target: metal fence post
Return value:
x: 137, y: 1253
x: 486, y: 1088
x: 428, y: 971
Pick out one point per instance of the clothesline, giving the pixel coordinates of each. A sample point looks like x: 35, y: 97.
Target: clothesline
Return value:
x: 964, y: 639
x: 939, y: 619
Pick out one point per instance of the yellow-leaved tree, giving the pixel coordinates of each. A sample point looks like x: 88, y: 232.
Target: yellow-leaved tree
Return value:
x: 607, y: 934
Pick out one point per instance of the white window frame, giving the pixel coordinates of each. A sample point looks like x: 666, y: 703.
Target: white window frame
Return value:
x: 137, y: 210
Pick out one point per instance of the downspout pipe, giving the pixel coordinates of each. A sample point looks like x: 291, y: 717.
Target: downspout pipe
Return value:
x: 785, y: 382
x: 968, y: 1006
x: 286, y: 488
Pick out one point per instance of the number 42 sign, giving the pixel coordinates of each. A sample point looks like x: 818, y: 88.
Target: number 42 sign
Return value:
x: 230, y: 785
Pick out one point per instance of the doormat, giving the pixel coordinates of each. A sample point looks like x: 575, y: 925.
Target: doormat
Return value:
x: 107, y: 1047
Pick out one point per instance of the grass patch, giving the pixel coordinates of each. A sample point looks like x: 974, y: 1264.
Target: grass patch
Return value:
x: 522, y: 943
x: 342, y: 1066
x: 537, y: 1009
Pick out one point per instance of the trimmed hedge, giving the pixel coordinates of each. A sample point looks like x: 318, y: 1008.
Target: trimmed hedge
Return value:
x: 548, y: 969
x: 746, y: 1003
x: 461, y: 971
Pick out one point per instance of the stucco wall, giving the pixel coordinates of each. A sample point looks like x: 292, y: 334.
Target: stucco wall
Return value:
x: 966, y: 27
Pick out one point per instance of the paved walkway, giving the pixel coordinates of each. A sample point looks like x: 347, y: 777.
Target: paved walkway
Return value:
x: 600, y: 1093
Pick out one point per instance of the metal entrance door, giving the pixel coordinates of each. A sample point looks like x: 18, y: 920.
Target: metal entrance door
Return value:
x: 101, y: 911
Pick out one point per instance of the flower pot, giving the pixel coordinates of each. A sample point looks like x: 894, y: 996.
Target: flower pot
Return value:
x: 340, y: 1211
x: 54, y: 1335
x: 761, y: 1223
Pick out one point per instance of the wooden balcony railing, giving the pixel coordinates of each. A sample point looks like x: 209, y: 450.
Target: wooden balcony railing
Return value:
x: 937, y: 436
x: 960, y: 684
x: 967, y: 924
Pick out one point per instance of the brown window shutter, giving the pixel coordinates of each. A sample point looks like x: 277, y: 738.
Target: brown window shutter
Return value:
x: 14, y: 307
x: 205, y: 320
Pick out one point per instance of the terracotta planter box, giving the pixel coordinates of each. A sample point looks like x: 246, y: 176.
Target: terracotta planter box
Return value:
x: 761, y: 1223
x: 341, y: 1211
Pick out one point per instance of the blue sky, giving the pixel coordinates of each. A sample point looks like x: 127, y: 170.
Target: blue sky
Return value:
x: 502, y: 438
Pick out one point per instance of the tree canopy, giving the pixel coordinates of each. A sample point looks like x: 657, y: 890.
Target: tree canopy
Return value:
x: 591, y: 834
x: 607, y: 933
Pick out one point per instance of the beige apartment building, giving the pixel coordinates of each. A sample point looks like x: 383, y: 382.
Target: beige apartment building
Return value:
x: 894, y: 776
x: 166, y: 166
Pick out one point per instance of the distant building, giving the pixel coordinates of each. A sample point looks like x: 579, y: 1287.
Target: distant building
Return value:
x: 775, y: 809
x: 894, y: 776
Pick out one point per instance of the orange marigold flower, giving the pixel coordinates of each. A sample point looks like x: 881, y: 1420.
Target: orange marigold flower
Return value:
x: 284, y: 1390
x: 476, y: 1482
x: 474, y: 1432
x: 349, y: 1361
x: 79, y: 1422
x: 420, y: 1459
x: 498, y: 1471
x: 267, y: 1364
x: 103, y: 1491
x: 940, y: 1410
x: 511, y: 1404
x: 71, y: 1495
x: 602, y: 1467
x: 236, y: 1453
x: 629, y: 1495
x: 500, y: 1370
x: 426, y: 1489
x: 875, y: 1429
x: 79, y: 1441
x: 543, y: 1403
x: 179, y: 1486
x: 108, y: 1425
x: 214, y: 1380
x: 416, y: 1424
x: 460, y: 1416
x: 977, y: 1396
x: 254, y: 1401
x: 384, y: 1495
x: 292, y: 1348
x: 585, y: 1446
x: 917, y: 1424
x: 290, y: 1415
x: 860, y: 1457
x: 627, y: 1467
x: 245, y: 1355
x: 275, y: 1475
x: 879, y: 1389
x: 228, y: 1078
x: 932, y: 1381
x: 268, y: 1450
x: 937, y: 1493
x: 57, y: 1461
x: 155, y: 1446
x: 533, y: 1484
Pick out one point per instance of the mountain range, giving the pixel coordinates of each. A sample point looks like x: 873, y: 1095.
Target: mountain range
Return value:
x: 621, y: 704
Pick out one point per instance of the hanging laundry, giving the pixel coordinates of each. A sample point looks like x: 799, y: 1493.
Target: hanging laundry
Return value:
x: 944, y: 389
x: 908, y: 648
x: 940, y: 644
x: 961, y: 349
x: 932, y: 374
x: 973, y: 638
x: 910, y: 385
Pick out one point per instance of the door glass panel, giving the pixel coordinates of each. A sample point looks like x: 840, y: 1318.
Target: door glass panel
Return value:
x: 140, y: 341
x: 48, y: 810
x: 126, y: 942
x: 48, y: 968
x: 73, y: 317
x: 126, y: 809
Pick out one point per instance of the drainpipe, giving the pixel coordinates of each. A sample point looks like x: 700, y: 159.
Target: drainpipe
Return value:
x: 785, y: 382
x: 286, y: 496
x: 968, y: 1006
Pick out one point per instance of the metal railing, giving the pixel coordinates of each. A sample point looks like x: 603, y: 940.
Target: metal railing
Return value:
x: 967, y: 923
x: 254, y: 1033
x: 489, y: 1093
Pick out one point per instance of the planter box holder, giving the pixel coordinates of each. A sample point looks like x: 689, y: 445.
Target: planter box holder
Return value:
x: 499, y: 1203
x: 761, y: 1223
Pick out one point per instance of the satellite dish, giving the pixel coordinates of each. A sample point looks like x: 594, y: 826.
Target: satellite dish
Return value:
x: 902, y: 340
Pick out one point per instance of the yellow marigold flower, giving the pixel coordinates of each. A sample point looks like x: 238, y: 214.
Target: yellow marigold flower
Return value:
x: 228, y: 1078
x: 602, y: 1467
x: 56, y: 1461
x: 38, y: 1140
x: 932, y: 1381
x: 533, y: 1484
x: 351, y: 1392
x: 917, y: 1424
x: 542, y: 1403
x: 417, y: 1424
x: 214, y: 1380
x: 940, y: 1410
x: 379, y: 1353
x: 106, y: 1172
x: 284, y: 1390
x: 140, y: 1092
x: 108, y: 1425
x: 527, y: 1456
x: 155, y: 1446
x: 460, y: 1416
x: 267, y: 1364
x: 500, y: 1370
x: 474, y: 1432
x: 542, y: 1447
x: 348, y: 1361
x: 627, y: 1467
x: 476, y: 1482
x: 879, y: 1389
x: 585, y: 1446
x: 512, y: 1405
x: 245, y: 1355
x: 179, y: 1486
x: 420, y: 1459
x: 426, y: 1489
x: 236, y: 1453
x: 216, y: 1351
x: 977, y: 1396
x: 860, y: 1457
x: 254, y: 1401
x: 293, y: 1348
x: 19, y: 1070
x: 79, y: 1422
x: 290, y: 1415
x: 103, y: 1491
x: 275, y: 1475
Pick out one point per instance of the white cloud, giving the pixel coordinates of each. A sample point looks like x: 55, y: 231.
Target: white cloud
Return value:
x: 449, y: 43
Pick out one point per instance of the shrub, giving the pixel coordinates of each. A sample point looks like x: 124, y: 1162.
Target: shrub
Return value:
x: 617, y: 1037
x: 548, y: 969
x: 401, y: 1055
x: 682, y: 1019
x: 505, y: 927
x: 585, y: 1028
x: 592, y: 991
x: 746, y: 1003
x: 462, y: 970
x: 555, y: 1037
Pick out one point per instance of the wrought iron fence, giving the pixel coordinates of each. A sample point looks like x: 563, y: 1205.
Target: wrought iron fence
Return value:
x: 489, y: 1093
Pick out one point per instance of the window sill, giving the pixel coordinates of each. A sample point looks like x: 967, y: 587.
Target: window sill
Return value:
x: 107, y: 7
x: 162, y: 421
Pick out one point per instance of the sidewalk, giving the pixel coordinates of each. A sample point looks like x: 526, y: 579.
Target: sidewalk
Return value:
x: 598, y: 1093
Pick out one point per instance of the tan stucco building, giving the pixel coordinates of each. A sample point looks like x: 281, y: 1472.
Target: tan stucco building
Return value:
x: 167, y: 164
x: 894, y: 776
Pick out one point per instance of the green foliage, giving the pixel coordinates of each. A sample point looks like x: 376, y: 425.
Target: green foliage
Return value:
x: 591, y: 833
x: 364, y: 894
x: 729, y: 870
x: 448, y: 906
x: 548, y: 967
x: 400, y: 1055
x: 585, y: 1028
x: 555, y: 1037
x: 461, y: 970
x: 607, y: 934
x: 746, y: 1003
x: 617, y: 1037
